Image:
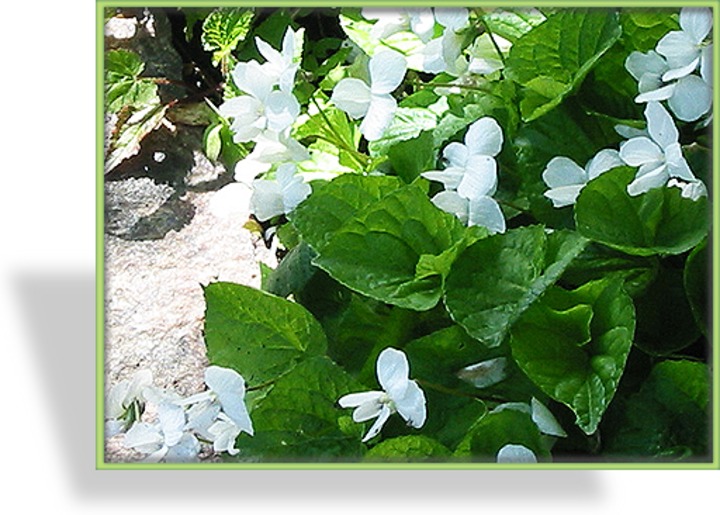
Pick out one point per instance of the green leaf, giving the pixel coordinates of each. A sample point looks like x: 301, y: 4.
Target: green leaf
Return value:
x: 496, y: 279
x: 551, y: 60
x: 292, y: 273
x: 258, y: 334
x: 408, y: 448
x: 665, y: 321
x: 597, y: 261
x: 376, y: 253
x: 514, y: 24
x: 668, y: 418
x: 499, y: 428
x: 223, y: 30
x: 412, y: 157
x: 659, y: 221
x: 123, y: 86
x: 212, y: 141
x: 327, y: 209
x: 407, y: 123
x: 130, y: 132
x: 550, y: 345
x: 299, y: 419
x: 642, y: 29
x: 697, y: 278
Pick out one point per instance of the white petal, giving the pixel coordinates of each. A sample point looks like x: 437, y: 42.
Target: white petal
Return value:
x: 450, y: 177
x: 639, y: 64
x: 246, y: 170
x: 267, y: 199
x: 422, y: 22
x: 456, y: 154
x: 660, y: 124
x: 143, y: 437
x: 367, y: 411
x: 654, y: 95
x: 545, y: 420
x: 512, y: 453
x: 172, y: 422
x: 393, y: 370
x: 706, y: 64
x: 696, y: 22
x: 251, y: 78
x: 486, y: 212
x: 387, y: 70
x: 224, y: 434
x: 563, y: 171
x: 294, y: 193
x: 379, y: 423
x: 273, y: 57
x: 452, y: 18
x: 676, y: 164
x: 678, y: 48
x: 378, y: 117
x: 692, y: 98
x: 352, y: 96
x: 433, y: 61
x: 676, y: 73
x: 451, y: 202
x: 411, y: 406
x: 605, y: 160
x: 240, y: 107
x: 353, y: 400
x: 484, y: 137
x: 282, y: 109
x: 480, y: 178
x: 640, y: 150
x: 230, y: 389
x: 562, y: 196
x: 648, y: 179
x: 232, y: 200
x: 485, y: 373
x: 692, y: 190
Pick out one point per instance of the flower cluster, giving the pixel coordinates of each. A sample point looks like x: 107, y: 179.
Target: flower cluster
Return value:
x: 667, y: 73
x: 470, y: 178
x: 216, y: 416
x: 264, y: 114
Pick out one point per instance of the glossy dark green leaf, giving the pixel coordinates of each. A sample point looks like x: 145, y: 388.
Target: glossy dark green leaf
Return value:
x: 697, y: 279
x: 377, y: 252
x: 659, y: 221
x: 495, y: 280
x: 326, y: 210
x: 408, y: 448
x: 551, y: 60
x: 299, y: 418
x: 258, y: 334
x: 550, y: 345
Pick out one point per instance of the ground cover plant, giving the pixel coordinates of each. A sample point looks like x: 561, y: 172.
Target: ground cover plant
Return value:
x: 493, y: 226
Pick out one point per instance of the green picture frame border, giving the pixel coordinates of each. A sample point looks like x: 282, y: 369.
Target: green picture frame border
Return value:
x: 100, y: 464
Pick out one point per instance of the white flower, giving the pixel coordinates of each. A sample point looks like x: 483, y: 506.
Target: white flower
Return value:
x: 124, y: 393
x: 566, y: 179
x: 373, y: 103
x: 391, y: 21
x: 486, y: 373
x: 471, y: 177
x: 166, y: 439
x: 274, y: 197
x: 540, y: 414
x: 683, y: 49
x: 400, y: 395
x: 689, y: 97
x: 692, y: 189
x: 512, y: 453
x: 443, y: 54
x: 262, y: 108
x: 280, y: 66
x: 659, y: 156
x: 270, y: 148
x: 223, y: 433
x: 228, y: 388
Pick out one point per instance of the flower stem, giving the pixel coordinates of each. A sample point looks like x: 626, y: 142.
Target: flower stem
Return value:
x: 492, y: 38
x: 360, y: 159
x: 450, y: 391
